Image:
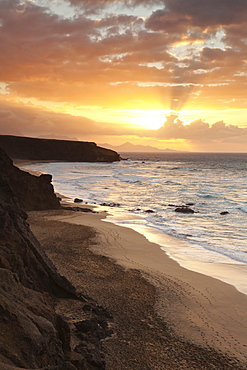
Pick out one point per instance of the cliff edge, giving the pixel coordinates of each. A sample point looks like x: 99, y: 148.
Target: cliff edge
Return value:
x: 18, y: 147
x: 33, y: 334
x: 32, y: 192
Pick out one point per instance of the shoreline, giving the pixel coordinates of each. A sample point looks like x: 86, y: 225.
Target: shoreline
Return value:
x: 234, y: 274
x: 200, y: 309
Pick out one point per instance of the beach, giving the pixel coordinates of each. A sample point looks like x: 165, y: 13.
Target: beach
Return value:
x: 164, y: 316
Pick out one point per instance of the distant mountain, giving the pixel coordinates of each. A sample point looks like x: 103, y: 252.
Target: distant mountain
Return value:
x: 128, y: 147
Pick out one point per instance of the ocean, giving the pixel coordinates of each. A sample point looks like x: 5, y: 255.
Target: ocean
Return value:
x: 143, y: 191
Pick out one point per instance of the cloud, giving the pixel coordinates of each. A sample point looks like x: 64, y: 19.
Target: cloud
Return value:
x: 26, y: 121
x: 95, y: 5
x: 37, y: 45
x: 200, y: 131
x: 201, y: 14
x: 184, y: 53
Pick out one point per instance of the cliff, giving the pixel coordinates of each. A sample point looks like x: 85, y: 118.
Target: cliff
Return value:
x: 33, y: 335
x: 18, y: 147
x: 32, y: 192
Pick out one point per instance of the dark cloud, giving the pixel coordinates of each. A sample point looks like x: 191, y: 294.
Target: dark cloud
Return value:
x: 209, y: 13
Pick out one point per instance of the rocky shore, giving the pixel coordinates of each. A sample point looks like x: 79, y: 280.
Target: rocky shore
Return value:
x: 73, y: 297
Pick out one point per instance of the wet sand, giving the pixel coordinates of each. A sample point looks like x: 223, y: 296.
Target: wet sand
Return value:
x: 165, y: 316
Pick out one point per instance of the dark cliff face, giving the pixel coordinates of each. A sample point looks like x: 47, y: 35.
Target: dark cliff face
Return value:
x: 30, y: 327
x: 32, y: 192
x: 33, y: 335
x: 55, y: 150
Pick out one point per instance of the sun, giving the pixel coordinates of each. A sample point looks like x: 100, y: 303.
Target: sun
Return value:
x: 148, y: 119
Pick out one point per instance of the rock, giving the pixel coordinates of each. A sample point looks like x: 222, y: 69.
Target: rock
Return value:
x: 111, y: 204
x: 184, y: 209
x: 78, y: 200
x: 91, y: 332
x: 135, y: 210
x: 29, y: 325
x: 92, y: 355
x: 32, y: 192
x: 18, y: 147
x: 79, y: 209
x: 149, y: 211
x: 190, y: 204
x: 33, y: 335
x: 224, y: 213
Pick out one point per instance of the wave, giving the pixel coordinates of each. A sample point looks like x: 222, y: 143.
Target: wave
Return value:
x: 208, y: 195
x: 176, y: 168
x: 128, y: 179
x: 243, y: 208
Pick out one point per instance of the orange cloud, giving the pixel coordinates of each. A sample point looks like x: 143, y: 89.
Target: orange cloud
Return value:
x: 180, y: 55
x: 200, y: 131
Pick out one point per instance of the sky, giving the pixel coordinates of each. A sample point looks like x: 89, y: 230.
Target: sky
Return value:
x: 166, y: 73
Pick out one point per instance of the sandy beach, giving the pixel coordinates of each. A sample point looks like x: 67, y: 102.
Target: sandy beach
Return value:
x: 164, y: 316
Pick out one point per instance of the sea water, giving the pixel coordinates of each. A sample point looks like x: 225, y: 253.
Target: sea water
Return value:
x: 144, y: 190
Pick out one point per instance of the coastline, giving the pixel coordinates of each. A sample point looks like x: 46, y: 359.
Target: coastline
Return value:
x: 200, y: 310
x: 233, y: 274
x: 187, y: 253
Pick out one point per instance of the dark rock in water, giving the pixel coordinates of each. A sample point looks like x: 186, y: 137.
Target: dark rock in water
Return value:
x: 184, y: 209
x: 190, y: 204
x: 78, y: 200
x: 111, y: 204
x: 134, y: 210
x: 149, y: 211
x: 18, y: 147
x: 32, y: 192
x: 224, y: 213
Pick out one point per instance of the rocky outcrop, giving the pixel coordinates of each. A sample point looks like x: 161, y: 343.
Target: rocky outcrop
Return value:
x: 32, y: 192
x: 29, y: 325
x: 33, y: 335
x: 29, y: 331
x: 184, y: 209
x: 18, y: 147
